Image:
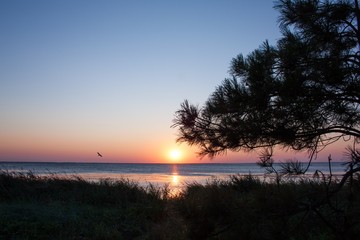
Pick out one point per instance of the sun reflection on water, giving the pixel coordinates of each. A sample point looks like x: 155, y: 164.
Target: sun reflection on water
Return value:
x: 175, y: 180
x: 174, y: 169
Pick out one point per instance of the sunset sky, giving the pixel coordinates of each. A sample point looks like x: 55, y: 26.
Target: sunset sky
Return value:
x: 80, y: 77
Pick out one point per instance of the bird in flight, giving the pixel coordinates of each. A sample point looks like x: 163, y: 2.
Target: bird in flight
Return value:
x: 99, y: 154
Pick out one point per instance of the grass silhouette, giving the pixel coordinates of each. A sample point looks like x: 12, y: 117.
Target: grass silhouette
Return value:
x: 243, y: 207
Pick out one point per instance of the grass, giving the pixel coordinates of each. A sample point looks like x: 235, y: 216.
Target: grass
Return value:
x: 33, y: 207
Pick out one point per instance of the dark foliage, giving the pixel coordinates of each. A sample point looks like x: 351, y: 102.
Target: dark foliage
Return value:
x: 34, y: 207
x: 242, y: 207
x: 246, y: 208
x: 303, y: 93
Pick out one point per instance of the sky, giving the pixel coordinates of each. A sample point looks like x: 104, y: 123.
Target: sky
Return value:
x: 85, y: 76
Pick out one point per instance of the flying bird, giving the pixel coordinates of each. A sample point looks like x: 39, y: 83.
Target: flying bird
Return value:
x: 99, y: 154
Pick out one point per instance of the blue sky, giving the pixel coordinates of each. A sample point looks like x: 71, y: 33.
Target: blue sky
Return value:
x: 78, y: 77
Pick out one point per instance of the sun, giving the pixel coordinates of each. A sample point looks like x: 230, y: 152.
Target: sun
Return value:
x: 175, y: 155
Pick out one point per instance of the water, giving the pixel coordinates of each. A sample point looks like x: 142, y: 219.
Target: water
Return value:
x: 176, y: 176
x: 125, y: 168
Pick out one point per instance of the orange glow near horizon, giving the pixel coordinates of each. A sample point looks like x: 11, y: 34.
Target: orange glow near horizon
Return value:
x: 147, y: 149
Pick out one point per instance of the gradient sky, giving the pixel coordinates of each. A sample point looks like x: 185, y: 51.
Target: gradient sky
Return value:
x: 77, y: 77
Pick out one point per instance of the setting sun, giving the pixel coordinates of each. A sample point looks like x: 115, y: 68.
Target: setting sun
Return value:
x: 175, y: 155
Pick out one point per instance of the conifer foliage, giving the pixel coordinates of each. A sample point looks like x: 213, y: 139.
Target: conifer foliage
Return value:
x: 302, y: 93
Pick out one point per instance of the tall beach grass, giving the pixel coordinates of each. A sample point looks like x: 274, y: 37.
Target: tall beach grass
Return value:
x: 242, y: 207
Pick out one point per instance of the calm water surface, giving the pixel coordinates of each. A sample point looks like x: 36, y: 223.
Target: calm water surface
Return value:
x: 176, y: 176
